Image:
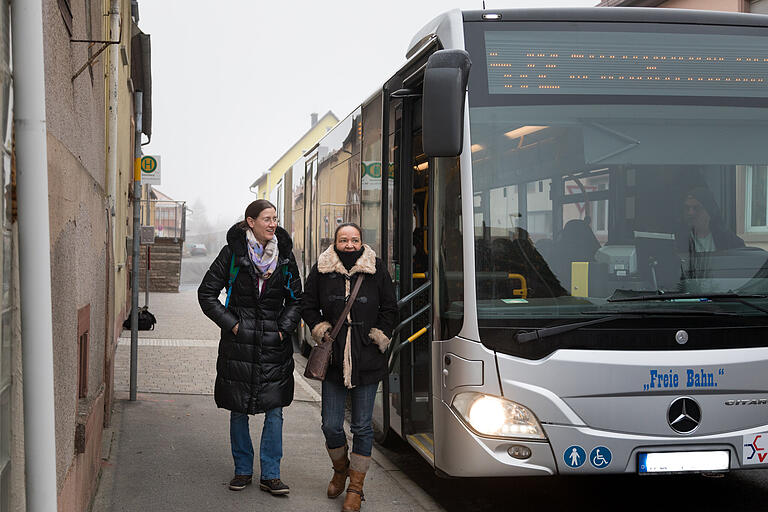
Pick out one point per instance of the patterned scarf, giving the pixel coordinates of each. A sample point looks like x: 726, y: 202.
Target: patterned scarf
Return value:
x: 264, y: 258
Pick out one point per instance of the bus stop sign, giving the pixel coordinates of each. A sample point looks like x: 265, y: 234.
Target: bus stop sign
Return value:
x: 150, y: 170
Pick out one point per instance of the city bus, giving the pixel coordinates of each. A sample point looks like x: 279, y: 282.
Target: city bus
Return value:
x: 573, y: 206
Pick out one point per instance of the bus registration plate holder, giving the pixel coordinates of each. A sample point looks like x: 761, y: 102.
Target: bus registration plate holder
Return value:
x: 683, y: 462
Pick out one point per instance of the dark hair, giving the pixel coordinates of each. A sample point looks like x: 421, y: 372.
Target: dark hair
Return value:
x: 704, y: 196
x: 345, y: 225
x: 256, y: 207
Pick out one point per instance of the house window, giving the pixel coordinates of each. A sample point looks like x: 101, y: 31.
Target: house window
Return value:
x: 83, y: 333
x: 757, y: 198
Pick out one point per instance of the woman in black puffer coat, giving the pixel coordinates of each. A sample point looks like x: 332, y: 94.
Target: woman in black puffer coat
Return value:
x: 254, y: 370
x: 358, y: 360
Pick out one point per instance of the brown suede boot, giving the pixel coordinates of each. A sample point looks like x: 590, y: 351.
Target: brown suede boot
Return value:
x: 340, y: 470
x: 357, y: 469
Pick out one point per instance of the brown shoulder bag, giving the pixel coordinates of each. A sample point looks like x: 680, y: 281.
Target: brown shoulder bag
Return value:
x: 320, y: 356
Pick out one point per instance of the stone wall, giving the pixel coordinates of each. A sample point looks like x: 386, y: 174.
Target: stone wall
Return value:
x: 165, y: 265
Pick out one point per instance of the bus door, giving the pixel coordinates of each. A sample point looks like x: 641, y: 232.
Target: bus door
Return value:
x: 409, y: 258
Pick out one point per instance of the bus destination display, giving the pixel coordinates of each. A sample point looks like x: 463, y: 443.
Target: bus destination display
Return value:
x: 621, y: 63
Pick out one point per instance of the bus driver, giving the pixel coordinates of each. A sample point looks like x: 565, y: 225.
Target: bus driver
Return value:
x: 705, y: 230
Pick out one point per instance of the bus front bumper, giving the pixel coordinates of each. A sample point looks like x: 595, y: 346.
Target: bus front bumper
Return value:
x: 460, y: 452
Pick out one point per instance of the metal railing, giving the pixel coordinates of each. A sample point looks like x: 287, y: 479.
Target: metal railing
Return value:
x: 394, y: 351
x: 167, y: 217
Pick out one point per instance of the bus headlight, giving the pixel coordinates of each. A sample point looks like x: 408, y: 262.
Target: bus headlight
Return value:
x: 496, y: 416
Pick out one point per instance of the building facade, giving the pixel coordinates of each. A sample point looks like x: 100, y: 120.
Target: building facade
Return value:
x: 753, y: 6
x: 272, y: 185
x: 88, y: 95
x: 11, y: 451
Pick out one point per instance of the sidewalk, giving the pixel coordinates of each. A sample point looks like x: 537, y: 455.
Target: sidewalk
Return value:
x: 169, y: 449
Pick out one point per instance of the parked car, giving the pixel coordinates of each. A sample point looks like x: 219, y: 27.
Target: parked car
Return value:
x: 198, y: 250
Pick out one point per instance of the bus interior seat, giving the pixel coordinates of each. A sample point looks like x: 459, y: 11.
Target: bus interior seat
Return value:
x: 576, y: 242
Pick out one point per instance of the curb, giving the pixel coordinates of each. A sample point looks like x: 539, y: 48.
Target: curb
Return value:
x: 417, y: 493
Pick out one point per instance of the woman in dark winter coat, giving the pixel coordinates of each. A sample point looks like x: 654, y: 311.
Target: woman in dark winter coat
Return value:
x: 358, y: 360
x: 254, y: 370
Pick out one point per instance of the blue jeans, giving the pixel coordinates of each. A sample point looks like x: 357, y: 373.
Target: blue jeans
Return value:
x: 334, y: 401
x: 270, y: 451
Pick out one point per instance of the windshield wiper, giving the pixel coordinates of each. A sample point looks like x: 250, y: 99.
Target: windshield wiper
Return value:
x: 727, y: 297
x: 546, y: 332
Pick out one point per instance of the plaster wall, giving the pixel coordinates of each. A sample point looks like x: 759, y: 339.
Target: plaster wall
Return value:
x: 118, y: 299
x: 75, y: 118
x: 123, y: 221
x: 78, y: 256
x: 75, y: 109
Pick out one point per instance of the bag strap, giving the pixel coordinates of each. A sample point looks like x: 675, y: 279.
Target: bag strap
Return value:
x: 287, y: 276
x: 233, y: 270
x: 347, y: 306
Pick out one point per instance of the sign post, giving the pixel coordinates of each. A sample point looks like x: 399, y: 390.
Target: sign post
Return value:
x: 150, y: 175
x: 147, y: 239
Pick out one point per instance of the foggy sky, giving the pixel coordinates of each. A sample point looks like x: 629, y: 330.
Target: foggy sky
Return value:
x: 234, y: 81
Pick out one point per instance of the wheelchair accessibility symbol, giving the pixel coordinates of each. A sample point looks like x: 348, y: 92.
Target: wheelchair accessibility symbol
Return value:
x: 600, y: 457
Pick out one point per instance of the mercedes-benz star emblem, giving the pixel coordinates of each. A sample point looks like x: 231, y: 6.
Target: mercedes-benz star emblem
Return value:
x: 684, y: 415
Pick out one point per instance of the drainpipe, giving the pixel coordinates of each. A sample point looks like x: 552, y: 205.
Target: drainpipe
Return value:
x: 138, y: 98
x: 34, y: 255
x: 114, y: 27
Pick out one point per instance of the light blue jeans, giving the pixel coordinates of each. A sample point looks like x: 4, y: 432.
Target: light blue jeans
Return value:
x: 270, y: 450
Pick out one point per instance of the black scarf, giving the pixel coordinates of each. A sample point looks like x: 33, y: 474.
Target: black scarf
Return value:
x: 348, y: 259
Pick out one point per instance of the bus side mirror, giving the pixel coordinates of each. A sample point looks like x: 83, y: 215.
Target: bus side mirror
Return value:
x: 445, y: 86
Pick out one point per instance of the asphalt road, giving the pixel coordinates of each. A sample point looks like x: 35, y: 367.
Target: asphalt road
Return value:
x: 193, y: 269
x: 738, y: 491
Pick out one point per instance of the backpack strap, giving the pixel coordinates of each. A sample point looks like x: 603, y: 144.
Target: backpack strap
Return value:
x: 287, y: 275
x: 233, y: 270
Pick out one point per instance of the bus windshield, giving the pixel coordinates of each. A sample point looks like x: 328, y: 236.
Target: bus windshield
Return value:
x: 592, y: 192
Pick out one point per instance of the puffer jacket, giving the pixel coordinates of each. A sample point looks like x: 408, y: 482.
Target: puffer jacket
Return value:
x: 254, y: 369
x: 358, y: 355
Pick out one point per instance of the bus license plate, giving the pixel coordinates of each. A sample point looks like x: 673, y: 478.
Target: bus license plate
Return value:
x: 683, y: 462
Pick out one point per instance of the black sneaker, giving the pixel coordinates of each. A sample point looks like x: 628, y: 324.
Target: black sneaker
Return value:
x: 274, y: 486
x: 240, y: 481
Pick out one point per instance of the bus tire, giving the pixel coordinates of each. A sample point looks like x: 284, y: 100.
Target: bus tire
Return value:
x: 385, y: 437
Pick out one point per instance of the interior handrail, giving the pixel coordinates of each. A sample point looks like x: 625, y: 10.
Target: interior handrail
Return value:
x: 412, y: 317
x: 405, y: 300
x: 413, y: 337
x: 523, y: 290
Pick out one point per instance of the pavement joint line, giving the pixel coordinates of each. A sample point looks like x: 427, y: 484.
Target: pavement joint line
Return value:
x: 155, y: 392
x: 305, y: 386
x: 169, y: 342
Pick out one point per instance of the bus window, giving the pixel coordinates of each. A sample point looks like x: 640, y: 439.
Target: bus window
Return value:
x: 602, y: 224
x: 448, y: 288
x: 370, y: 199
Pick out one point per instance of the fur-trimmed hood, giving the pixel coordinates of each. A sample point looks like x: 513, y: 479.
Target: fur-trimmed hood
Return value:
x: 236, y: 241
x: 329, y: 262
